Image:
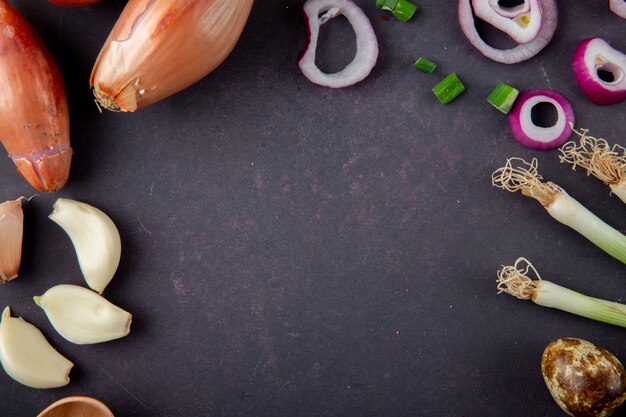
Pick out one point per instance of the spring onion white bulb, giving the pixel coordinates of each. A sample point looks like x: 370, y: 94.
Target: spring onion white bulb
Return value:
x: 519, y: 175
x: 517, y: 281
x: 606, y: 163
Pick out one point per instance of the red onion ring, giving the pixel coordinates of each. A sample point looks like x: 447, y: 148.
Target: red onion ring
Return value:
x: 535, y: 137
x: 366, y: 43
x: 510, y: 20
x: 596, y: 54
x: 618, y: 7
x: 521, y: 52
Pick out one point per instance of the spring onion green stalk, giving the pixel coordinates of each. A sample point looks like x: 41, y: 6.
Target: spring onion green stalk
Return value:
x: 516, y: 281
x: 403, y: 10
x: 424, y: 65
x: 502, y: 97
x: 448, y: 89
x: 606, y: 163
x: 519, y: 175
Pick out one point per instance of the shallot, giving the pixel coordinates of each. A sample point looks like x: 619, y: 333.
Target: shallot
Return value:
x: 34, y: 117
x: 600, y: 71
x: 318, y: 12
x: 158, y: 48
x: 618, y: 7
x: 545, y: 10
x: 540, y: 138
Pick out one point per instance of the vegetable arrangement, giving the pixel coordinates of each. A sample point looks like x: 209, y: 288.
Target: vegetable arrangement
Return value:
x: 152, y: 53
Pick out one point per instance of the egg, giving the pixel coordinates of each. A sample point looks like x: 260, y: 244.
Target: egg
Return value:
x: 584, y: 379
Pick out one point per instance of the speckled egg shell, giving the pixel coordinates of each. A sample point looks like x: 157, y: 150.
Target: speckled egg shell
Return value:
x: 585, y: 380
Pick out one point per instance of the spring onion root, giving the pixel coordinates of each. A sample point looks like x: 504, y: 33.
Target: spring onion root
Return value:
x: 516, y: 280
x: 606, y: 163
x: 519, y: 175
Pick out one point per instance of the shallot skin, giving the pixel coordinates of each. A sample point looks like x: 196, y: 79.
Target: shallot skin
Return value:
x: 72, y: 3
x: 34, y: 116
x: 160, y: 47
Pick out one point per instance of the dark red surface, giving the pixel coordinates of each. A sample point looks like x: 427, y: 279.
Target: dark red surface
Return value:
x: 290, y: 250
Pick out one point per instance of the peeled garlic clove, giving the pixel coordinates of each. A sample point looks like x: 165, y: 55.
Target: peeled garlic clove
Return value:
x: 82, y: 316
x: 11, y: 232
x: 96, y: 240
x: 27, y: 356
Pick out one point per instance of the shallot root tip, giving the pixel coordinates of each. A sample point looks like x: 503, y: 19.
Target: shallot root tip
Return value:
x: 515, y: 280
x: 102, y: 100
x: 519, y: 175
x: 597, y: 157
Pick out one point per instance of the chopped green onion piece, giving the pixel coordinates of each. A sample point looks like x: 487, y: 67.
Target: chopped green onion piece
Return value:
x: 502, y: 97
x: 515, y: 280
x: 403, y: 10
x: 448, y: 89
x: 424, y: 65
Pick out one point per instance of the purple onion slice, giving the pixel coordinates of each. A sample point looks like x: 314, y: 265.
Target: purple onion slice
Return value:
x: 521, y: 22
x: 618, y: 7
x: 521, y: 52
x: 600, y: 71
x: 318, y: 12
x: 536, y: 137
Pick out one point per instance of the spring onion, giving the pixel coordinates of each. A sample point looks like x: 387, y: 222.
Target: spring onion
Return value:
x: 448, y: 89
x: 403, y: 10
x: 606, y: 163
x: 519, y: 175
x: 424, y: 65
x: 502, y: 97
x: 516, y: 281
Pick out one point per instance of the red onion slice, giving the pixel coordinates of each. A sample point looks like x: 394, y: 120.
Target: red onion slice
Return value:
x: 536, y: 137
x: 595, y: 55
x: 521, y: 23
x: 521, y: 52
x: 366, y: 43
x: 618, y: 7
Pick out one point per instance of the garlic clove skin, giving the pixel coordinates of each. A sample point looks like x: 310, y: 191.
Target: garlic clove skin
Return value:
x: 82, y: 316
x: 95, y: 237
x: 11, y: 233
x: 28, y: 358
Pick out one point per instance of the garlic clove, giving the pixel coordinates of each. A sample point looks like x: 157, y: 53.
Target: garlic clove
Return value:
x: 82, y: 316
x: 96, y: 240
x: 11, y: 233
x: 28, y: 358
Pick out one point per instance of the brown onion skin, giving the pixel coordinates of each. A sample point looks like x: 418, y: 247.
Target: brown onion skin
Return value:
x: 160, y: 47
x: 584, y: 379
x: 72, y: 3
x: 34, y: 117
